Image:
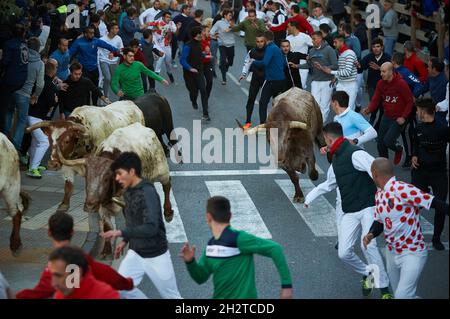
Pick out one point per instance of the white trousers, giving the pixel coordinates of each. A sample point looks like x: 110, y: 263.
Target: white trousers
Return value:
x: 166, y: 59
x: 360, y: 92
x: 304, y: 76
x: 158, y: 269
x: 39, y: 144
x: 322, y: 92
x: 351, y: 87
x: 404, y: 272
x: 350, y: 226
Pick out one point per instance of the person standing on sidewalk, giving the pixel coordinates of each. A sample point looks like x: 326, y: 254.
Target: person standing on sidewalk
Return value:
x: 350, y: 172
x: 346, y: 72
x: 127, y: 81
x: 229, y: 257
x: 429, y: 161
x: 397, y: 102
x: 397, y: 213
x: 389, y: 25
x: 321, y: 87
x: 145, y: 232
x: 191, y: 60
x: 225, y: 38
x: 257, y: 80
x: 275, y: 80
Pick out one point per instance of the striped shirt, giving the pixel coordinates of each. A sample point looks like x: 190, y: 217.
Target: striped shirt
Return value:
x: 346, y: 66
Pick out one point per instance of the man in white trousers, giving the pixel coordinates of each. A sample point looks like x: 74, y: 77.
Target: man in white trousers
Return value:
x: 346, y: 72
x: 350, y: 171
x: 321, y: 87
x: 357, y: 130
x: 397, y: 213
x: 145, y: 232
x: 300, y: 42
x: 163, y: 32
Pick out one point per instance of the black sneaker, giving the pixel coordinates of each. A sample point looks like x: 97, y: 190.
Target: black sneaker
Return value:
x: 195, y: 106
x: 206, y: 118
x: 437, y: 244
x: 336, y: 246
x: 172, y: 80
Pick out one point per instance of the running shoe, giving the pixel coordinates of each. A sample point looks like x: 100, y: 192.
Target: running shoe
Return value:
x: 34, y: 173
x: 247, y: 125
x: 387, y: 296
x: 42, y: 168
x: 366, y: 287
x: 206, y: 118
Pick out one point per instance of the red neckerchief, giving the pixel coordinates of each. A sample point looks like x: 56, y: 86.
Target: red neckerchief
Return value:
x: 336, y: 145
x: 343, y: 49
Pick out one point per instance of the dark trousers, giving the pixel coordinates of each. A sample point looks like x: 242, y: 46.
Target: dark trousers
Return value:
x: 174, y: 45
x: 226, y: 60
x: 270, y: 89
x: 408, y: 133
x: 6, y: 98
x: 438, y: 182
x: 151, y: 82
x: 388, y: 134
x: 196, y: 82
x: 373, y: 116
x: 255, y: 84
x: 93, y: 76
x: 208, y: 75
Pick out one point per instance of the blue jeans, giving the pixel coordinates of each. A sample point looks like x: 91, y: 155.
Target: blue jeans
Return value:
x: 214, y: 48
x: 214, y: 8
x: 389, y: 44
x: 20, y: 103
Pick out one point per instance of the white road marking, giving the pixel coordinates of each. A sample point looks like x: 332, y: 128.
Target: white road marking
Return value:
x: 245, y: 214
x: 174, y: 230
x: 234, y: 172
x: 320, y: 216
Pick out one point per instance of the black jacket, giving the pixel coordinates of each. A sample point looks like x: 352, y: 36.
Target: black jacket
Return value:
x: 46, y: 102
x: 257, y: 54
x: 78, y: 94
x: 373, y: 76
x: 292, y: 74
x: 145, y: 231
x: 361, y: 33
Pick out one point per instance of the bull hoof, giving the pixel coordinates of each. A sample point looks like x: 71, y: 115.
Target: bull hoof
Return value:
x: 168, y: 216
x: 62, y: 208
x: 299, y: 199
x: 314, y: 175
x: 16, y: 249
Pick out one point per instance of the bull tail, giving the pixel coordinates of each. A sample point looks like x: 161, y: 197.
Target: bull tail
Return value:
x: 168, y: 122
x: 319, y: 138
x: 26, y: 200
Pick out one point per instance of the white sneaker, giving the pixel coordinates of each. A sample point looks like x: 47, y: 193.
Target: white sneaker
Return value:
x: 249, y: 77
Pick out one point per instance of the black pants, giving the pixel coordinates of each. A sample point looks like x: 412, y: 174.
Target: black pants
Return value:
x: 6, y: 98
x: 151, y: 82
x: 373, y: 116
x: 226, y: 60
x: 408, y: 133
x: 174, y: 46
x: 93, y: 76
x: 438, y: 182
x: 208, y: 75
x: 270, y: 89
x: 388, y: 134
x: 255, y: 84
x: 196, y: 82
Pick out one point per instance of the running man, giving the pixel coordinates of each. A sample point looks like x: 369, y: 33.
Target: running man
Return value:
x: 229, y: 257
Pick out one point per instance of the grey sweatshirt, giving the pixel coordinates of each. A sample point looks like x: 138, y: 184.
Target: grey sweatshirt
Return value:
x: 390, y: 24
x: 225, y: 38
x: 35, y: 75
x: 326, y: 56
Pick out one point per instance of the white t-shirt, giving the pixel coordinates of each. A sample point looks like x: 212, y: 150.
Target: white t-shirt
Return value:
x: 103, y: 53
x: 300, y: 43
x: 102, y: 28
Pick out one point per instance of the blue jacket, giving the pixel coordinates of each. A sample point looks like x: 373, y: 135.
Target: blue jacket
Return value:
x: 413, y: 81
x: 14, y: 62
x: 437, y: 85
x: 87, y: 51
x: 63, y: 63
x: 127, y: 30
x: 273, y: 62
x: 353, y: 43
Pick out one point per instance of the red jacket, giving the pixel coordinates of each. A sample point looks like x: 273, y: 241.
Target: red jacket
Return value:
x: 90, y: 288
x: 396, y: 97
x: 305, y: 27
x: 416, y: 66
x: 100, y: 271
x: 206, y: 43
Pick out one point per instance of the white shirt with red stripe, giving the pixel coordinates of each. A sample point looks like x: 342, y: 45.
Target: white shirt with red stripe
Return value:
x: 398, y: 207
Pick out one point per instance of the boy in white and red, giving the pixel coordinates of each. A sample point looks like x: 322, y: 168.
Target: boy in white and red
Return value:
x: 397, y: 211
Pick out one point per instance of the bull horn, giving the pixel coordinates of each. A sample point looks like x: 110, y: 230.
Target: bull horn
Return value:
x: 38, y: 125
x: 117, y: 201
x: 297, y: 124
x: 75, y: 162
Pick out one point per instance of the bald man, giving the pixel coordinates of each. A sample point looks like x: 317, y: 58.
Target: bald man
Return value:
x: 397, y: 212
x: 397, y: 102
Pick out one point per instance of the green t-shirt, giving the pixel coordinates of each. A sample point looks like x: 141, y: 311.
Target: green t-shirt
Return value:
x: 128, y: 78
x: 230, y: 260
x: 250, y: 31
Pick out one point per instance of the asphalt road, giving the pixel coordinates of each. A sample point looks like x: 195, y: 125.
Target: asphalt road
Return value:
x: 259, y: 203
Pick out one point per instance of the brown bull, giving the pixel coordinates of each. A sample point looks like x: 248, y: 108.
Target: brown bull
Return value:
x: 298, y: 120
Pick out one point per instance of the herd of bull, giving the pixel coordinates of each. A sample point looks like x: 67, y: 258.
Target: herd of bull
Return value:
x: 88, y: 141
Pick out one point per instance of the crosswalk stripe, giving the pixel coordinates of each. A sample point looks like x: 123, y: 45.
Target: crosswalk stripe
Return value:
x: 245, y: 214
x: 320, y: 217
x: 174, y: 230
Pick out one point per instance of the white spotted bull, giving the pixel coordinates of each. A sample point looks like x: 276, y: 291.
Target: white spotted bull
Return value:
x: 16, y: 201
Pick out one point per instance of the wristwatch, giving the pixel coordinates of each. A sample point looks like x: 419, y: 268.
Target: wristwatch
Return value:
x: 355, y: 141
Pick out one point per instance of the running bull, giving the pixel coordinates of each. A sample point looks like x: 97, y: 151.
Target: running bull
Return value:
x: 297, y: 116
x: 16, y: 201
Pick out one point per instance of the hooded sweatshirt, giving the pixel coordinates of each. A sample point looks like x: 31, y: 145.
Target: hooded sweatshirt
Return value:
x: 396, y: 97
x: 35, y: 75
x: 90, y: 288
x: 14, y: 62
x: 145, y: 230
x: 326, y: 56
